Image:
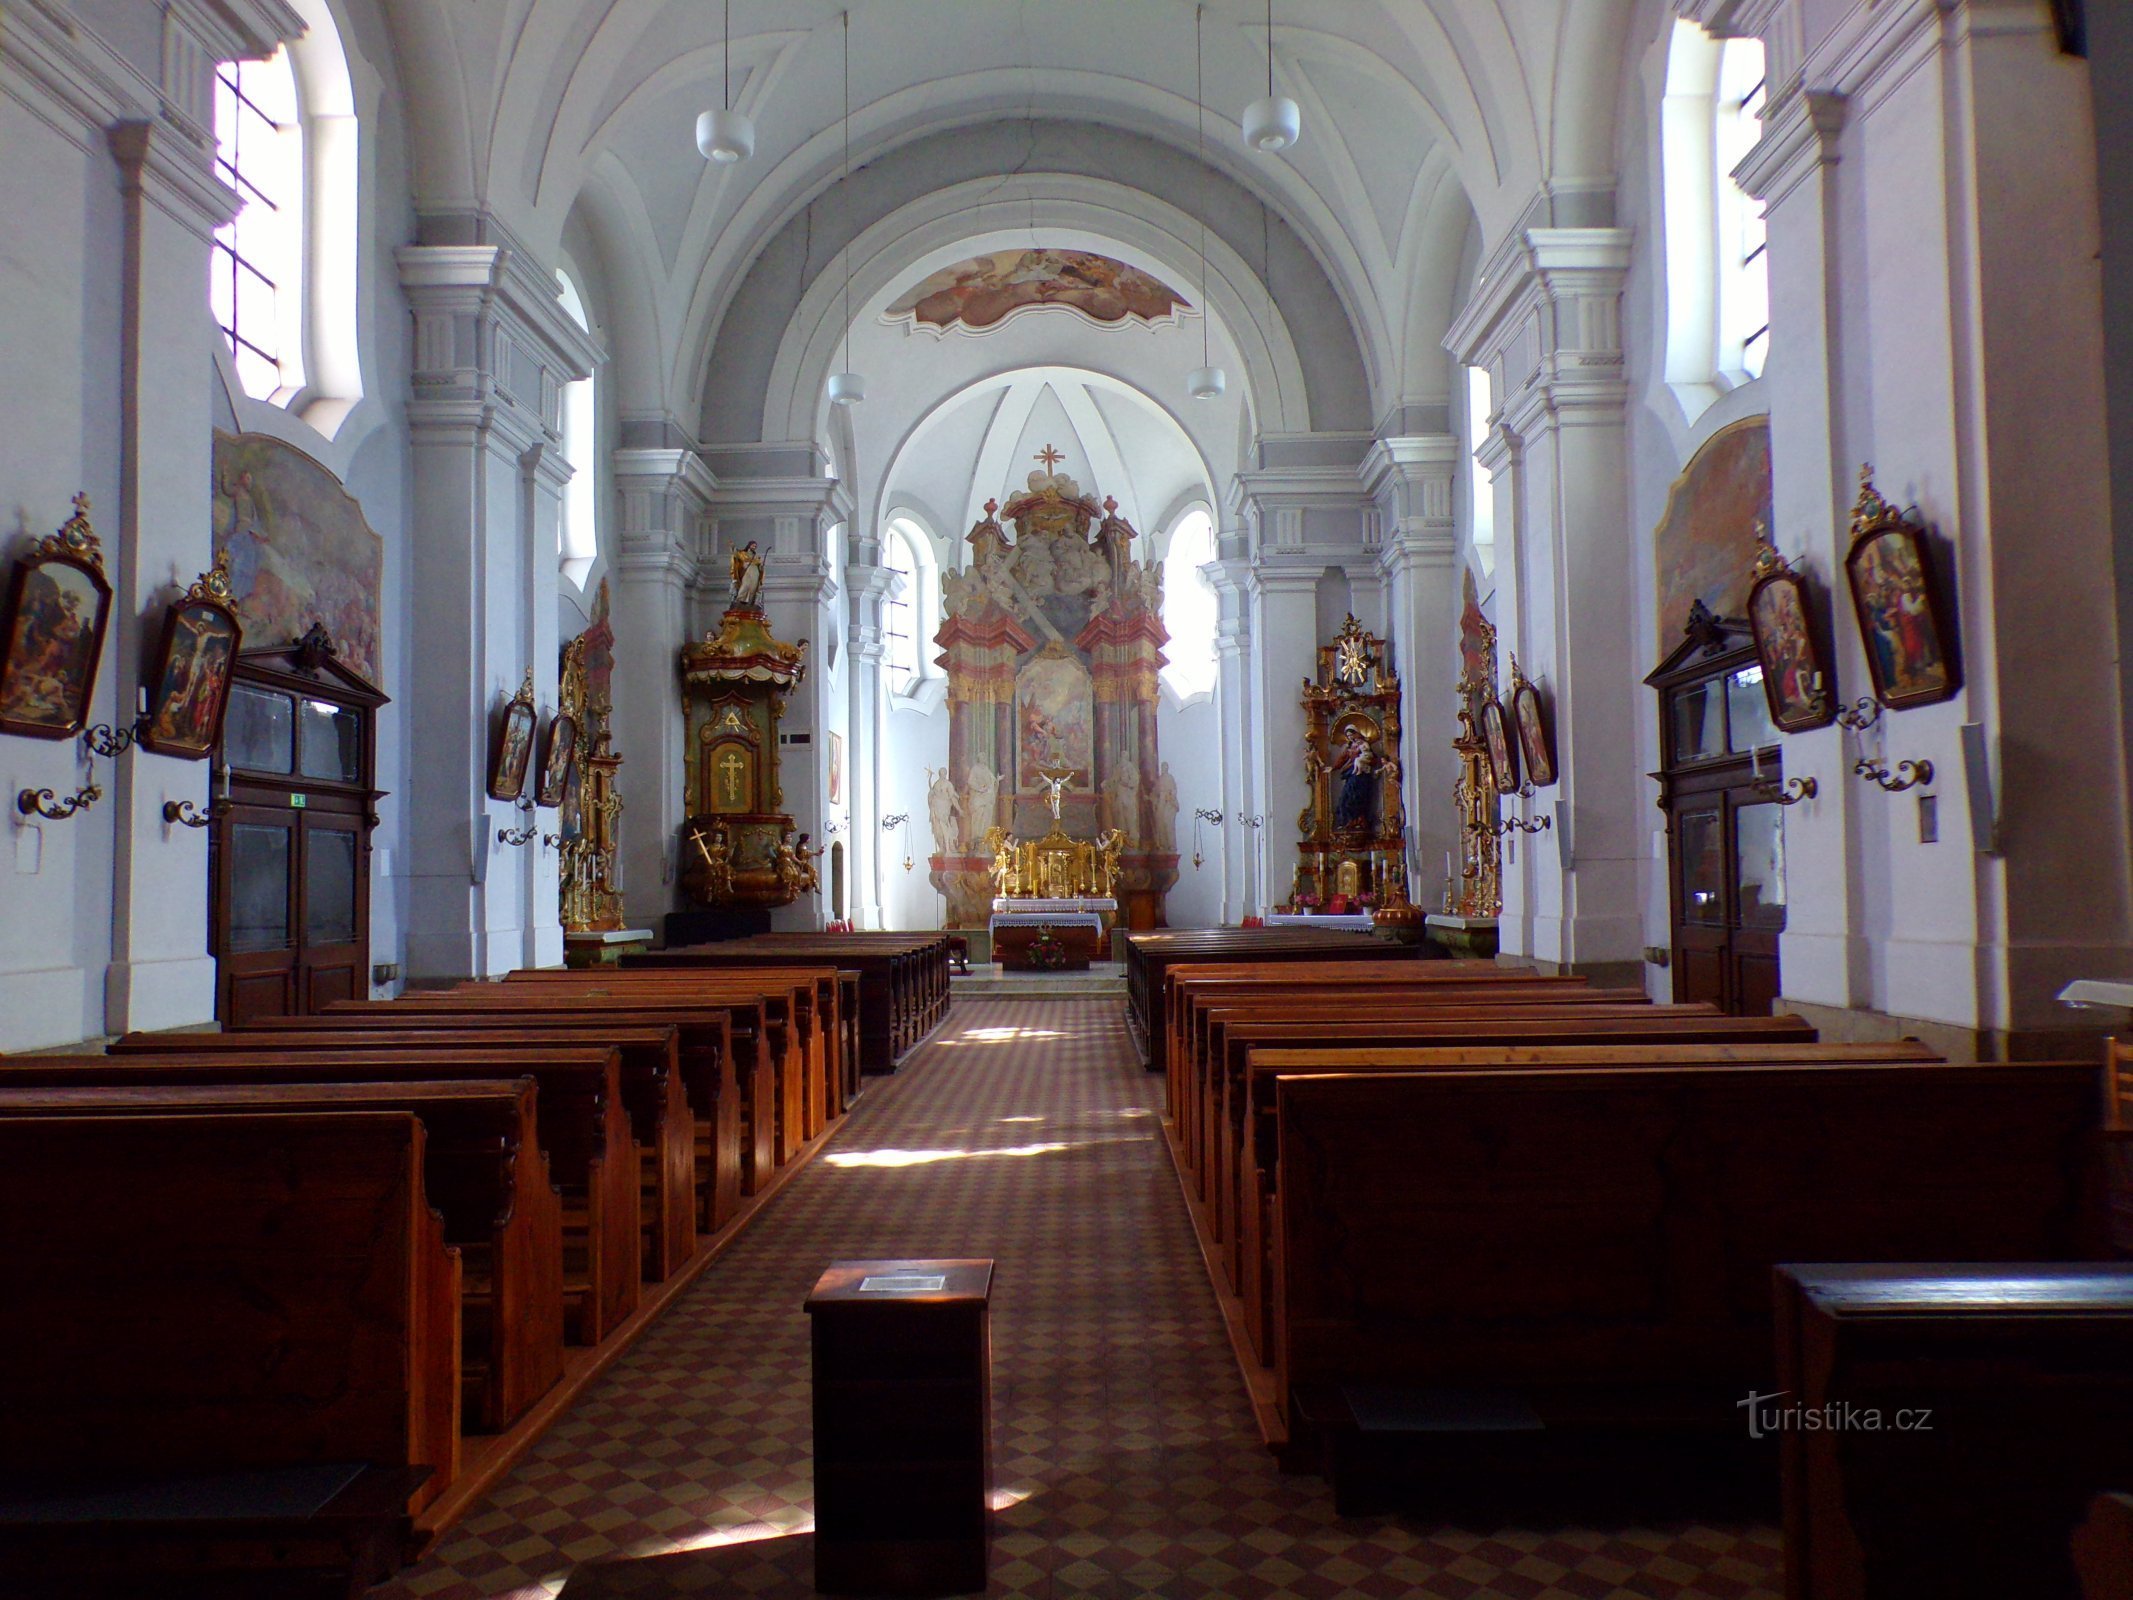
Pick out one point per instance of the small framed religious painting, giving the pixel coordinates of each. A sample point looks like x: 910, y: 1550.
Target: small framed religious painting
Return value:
x: 189, y: 683
x: 52, y: 632
x: 1503, y: 755
x: 1909, y: 650
x: 836, y: 768
x: 1536, y: 744
x: 1795, y: 684
x: 514, y: 745
x: 559, y: 754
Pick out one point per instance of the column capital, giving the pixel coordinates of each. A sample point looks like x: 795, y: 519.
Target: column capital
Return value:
x: 1410, y: 478
x: 172, y: 172
x: 1546, y: 319
x: 1799, y: 140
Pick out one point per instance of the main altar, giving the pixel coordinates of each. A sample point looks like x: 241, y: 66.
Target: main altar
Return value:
x: 1054, y: 789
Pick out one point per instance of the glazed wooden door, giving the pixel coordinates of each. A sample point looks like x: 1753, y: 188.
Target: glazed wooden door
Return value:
x: 255, y: 877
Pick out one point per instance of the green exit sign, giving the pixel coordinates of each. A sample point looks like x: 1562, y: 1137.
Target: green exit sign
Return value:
x: 297, y: 802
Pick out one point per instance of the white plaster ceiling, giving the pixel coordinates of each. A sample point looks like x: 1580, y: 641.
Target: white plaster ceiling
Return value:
x: 1424, y: 120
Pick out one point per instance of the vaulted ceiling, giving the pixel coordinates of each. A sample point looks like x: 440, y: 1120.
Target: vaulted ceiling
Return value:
x: 1429, y: 126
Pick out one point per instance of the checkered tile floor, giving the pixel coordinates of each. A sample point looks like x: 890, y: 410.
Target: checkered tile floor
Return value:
x: 1125, y: 1458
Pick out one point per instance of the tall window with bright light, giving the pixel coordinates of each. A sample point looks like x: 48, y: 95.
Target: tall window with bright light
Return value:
x: 578, y: 535
x: 1191, y: 611
x: 257, y: 287
x: 909, y: 611
x: 1480, y: 482
x: 1717, y: 262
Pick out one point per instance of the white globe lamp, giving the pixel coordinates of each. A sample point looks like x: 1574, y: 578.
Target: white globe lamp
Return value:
x: 847, y: 388
x: 725, y: 135
x: 1272, y: 124
x: 1206, y: 383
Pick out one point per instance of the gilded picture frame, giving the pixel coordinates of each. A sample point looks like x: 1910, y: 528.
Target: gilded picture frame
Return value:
x: 52, y: 632
x: 1503, y: 752
x: 1798, y: 683
x: 512, y: 750
x: 195, y: 664
x: 1536, y: 735
x: 1910, y: 650
x: 559, y: 758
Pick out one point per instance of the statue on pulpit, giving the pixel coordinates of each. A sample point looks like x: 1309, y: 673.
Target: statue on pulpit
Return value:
x: 718, y: 860
x: 746, y: 575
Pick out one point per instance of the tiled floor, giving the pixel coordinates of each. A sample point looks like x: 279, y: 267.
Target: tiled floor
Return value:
x: 1123, y: 1447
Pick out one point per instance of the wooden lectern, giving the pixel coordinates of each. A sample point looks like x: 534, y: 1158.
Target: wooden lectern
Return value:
x: 903, y: 1414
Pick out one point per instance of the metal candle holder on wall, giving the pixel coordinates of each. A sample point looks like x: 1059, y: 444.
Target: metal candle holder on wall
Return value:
x: 522, y: 835
x: 47, y: 804
x: 1860, y: 715
x: 183, y: 813
x: 1789, y: 793
x: 1882, y: 774
x: 1203, y: 814
x: 898, y: 821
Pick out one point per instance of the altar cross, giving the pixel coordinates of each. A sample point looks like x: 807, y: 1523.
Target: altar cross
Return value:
x: 729, y: 767
x: 1050, y: 457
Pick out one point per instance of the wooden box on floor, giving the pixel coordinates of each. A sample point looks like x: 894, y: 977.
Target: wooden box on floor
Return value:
x: 903, y: 1385
x: 1922, y: 1406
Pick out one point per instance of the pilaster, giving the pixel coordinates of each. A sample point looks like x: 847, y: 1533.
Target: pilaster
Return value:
x: 1235, y: 843
x: 492, y: 351
x: 1545, y: 320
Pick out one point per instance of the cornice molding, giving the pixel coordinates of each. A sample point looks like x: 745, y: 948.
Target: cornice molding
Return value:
x: 1799, y: 139
x: 67, y: 77
x: 654, y: 470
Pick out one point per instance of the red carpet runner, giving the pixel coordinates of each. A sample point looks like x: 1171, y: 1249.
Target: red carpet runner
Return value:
x: 1124, y: 1452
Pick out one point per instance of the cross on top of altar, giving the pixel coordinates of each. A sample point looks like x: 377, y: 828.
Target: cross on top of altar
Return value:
x: 1050, y: 456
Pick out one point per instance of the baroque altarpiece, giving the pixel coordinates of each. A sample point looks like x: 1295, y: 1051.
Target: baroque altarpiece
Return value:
x: 1052, y: 640
x: 1354, y: 825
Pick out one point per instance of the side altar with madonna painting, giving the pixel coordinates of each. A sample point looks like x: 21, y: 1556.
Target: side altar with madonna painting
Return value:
x: 1351, y: 858
x: 737, y: 846
x: 1054, y: 792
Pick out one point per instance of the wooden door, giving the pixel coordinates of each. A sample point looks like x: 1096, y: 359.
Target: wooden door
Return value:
x: 254, y: 863
x: 1727, y: 861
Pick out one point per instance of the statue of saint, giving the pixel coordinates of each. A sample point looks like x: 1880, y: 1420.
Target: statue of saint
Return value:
x: 982, y: 806
x: 1355, y: 772
x: 1163, y: 814
x: 1003, y: 862
x: 1122, y: 798
x: 718, y: 861
x: 944, y: 807
x: 746, y: 574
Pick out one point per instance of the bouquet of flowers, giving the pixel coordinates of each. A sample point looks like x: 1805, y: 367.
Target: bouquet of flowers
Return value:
x: 1046, y: 953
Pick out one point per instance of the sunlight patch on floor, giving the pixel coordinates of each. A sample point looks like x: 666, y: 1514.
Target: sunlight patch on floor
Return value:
x: 1004, y: 1035
x: 751, y: 1532
x: 921, y: 1158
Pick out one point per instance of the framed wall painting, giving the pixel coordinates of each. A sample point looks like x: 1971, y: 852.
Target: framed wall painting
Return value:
x: 559, y: 755
x: 1503, y: 755
x: 836, y: 768
x: 513, y: 749
x: 1795, y: 681
x: 1536, y: 741
x: 1910, y: 650
x: 52, y: 632
x: 189, y: 682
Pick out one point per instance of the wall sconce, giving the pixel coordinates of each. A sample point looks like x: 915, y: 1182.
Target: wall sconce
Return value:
x: 1861, y: 715
x: 1879, y: 772
x: 898, y: 821
x: 183, y: 813
x: 44, y: 803
x: 520, y: 835
x: 1202, y: 815
x: 1791, y: 793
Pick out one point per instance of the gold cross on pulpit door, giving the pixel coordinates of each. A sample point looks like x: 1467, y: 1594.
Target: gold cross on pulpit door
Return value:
x: 730, y: 767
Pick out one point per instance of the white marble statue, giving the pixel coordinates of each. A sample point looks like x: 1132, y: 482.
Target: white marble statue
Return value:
x: 1122, y: 804
x: 945, y: 807
x: 1163, y: 813
x: 981, y: 807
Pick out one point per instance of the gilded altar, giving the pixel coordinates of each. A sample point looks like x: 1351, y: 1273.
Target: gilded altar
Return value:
x: 1352, y: 849
x: 737, y: 845
x: 1052, y: 639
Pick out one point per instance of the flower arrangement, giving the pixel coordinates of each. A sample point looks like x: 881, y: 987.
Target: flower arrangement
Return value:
x: 1046, y: 953
x: 1307, y: 901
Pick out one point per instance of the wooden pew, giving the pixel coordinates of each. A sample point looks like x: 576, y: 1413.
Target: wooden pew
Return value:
x: 652, y: 1092
x: 1951, y: 1399
x: 802, y: 1001
x: 1247, y: 1175
x: 257, y: 1293
x: 1600, y: 1244
x: 1150, y: 955
x: 581, y: 1125
x: 483, y: 1172
x: 903, y: 979
x: 711, y: 1039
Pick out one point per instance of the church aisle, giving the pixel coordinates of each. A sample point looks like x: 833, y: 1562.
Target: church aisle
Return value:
x: 1121, y: 1434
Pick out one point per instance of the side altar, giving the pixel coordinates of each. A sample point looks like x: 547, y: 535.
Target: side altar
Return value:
x: 1054, y: 787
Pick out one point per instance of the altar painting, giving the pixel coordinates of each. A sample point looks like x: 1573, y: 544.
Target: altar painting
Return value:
x: 1054, y: 720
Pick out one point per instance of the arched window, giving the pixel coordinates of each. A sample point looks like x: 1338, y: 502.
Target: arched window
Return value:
x: 910, y: 614
x: 578, y: 534
x: 1718, y: 282
x: 1191, y: 612
x: 1480, y: 482
x: 283, y: 284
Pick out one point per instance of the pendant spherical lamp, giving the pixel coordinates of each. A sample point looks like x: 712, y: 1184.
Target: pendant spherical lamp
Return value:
x: 1206, y: 383
x: 1273, y: 122
x: 847, y: 388
x: 725, y: 136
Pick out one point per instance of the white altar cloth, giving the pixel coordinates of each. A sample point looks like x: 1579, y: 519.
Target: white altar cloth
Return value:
x: 1046, y: 919
x: 1001, y: 904
x: 1358, y: 922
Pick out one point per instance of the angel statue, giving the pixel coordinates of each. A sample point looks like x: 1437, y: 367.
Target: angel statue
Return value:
x: 746, y: 573
x: 1112, y: 845
x: 718, y: 861
x: 1003, y: 861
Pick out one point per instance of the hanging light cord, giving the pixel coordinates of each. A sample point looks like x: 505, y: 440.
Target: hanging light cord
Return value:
x: 725, y: 87
x: 1270, y: 49
x: 848, y: 179
x: 1199, y: 106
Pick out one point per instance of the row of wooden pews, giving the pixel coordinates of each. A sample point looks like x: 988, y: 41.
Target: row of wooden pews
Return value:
x: 901, y: 980
x: 292, y: 1298
x: 1149, y: 956
x: 1455, y: 1202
